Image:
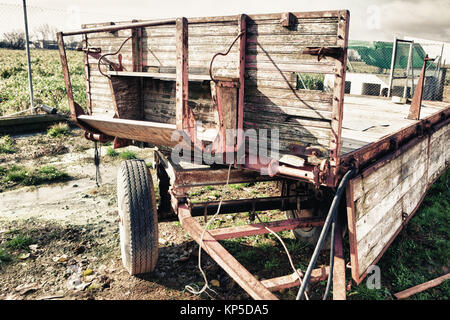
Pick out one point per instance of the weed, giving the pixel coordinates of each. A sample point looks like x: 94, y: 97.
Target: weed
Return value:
x: 7, y: 145
x: 4, y: 256
x: 20, y: 242
x: 28, y: 177
x: 128, y: 155
x: 110, y: 152
x: 271, y: 264
x: 58, y: 130
x: 238, y: 186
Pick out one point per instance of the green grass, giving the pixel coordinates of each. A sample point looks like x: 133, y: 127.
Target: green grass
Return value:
x: 48, y: 80
x: 20, y: 242
x: 16, y: 174
x: 239, y: 186
x: 13, y: 247
x: 7, y: 145
x: 124, y: 155
x: 5, y: 257
x: 110, y: 152
x: 128, y: 155
x: 58, y: 130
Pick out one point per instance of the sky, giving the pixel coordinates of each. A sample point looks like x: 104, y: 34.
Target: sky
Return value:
x: 369, y: 20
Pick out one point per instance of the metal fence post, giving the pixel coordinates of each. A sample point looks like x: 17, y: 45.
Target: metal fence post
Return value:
x: 30, y: 79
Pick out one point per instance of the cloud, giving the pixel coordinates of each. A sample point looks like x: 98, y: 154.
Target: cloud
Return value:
x: 426, y: 19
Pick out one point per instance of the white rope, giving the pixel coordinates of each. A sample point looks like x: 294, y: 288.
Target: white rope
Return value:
x: 287, y: 253
x: 19, y: 112
x: 206, y: 285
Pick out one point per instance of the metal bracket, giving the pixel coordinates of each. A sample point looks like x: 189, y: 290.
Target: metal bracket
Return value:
x: 321, y: 52
x: 287, y: 19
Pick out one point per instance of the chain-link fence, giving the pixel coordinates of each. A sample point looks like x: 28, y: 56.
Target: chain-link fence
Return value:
x: 370, y: 70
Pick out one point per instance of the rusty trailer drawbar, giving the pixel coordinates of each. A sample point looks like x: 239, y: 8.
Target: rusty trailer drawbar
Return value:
x: 185, y: 84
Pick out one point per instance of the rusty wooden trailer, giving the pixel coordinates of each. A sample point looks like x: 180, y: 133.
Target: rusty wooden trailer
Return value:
x: 185, y: 84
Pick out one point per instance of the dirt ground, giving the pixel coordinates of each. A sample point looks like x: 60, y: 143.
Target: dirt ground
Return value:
x: 62, y: 238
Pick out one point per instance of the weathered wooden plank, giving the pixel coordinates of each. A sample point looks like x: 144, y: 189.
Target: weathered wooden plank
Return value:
x: 303, y: 28
x: 438, y: 150
x: 368, y: 219
x: 364, y: 184
x: 371, y: 246
x: 289, y: 116
x: 316, y: 107
x: 371, y: 198
x: 289, y: 94
x: 271, y: 68
x: 288, y: 112
x: 375, y: 242
x: 287, y: 129
x: 155, y: 133
x: 126, y: 96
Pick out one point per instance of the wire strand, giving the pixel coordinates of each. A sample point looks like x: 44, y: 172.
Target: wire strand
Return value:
x: 206, y: 285
x: 287, y: 252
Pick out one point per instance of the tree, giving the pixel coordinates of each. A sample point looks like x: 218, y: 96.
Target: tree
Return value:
x: 14, y: 39
x: 45, y: 32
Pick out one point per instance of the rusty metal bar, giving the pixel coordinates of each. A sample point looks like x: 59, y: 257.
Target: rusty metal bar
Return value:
x: 416, y: 103
x: 339, y: 287
x: 114, y: 28
x: 65, y: 67
x: 185, y: 120
x: 242, y: 60
x: 245, y: 205
x: 291, y: 280
x: 260, y: 228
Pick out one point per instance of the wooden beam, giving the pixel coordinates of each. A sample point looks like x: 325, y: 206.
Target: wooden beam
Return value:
x: 260, y: 228
x: 339, y: 288
x: 421, y: 287
x: 291, y: 280
x: 242, y: 56
x: 223, y: 258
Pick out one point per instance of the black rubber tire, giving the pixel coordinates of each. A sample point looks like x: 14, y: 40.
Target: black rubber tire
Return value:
x: 138, y: 221
x: 310, y: 235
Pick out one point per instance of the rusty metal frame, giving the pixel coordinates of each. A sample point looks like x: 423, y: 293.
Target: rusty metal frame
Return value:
x: 180, y: 182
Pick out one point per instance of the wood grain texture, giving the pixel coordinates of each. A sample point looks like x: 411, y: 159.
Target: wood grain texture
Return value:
x: 383, y: 197
x: 273, y: 54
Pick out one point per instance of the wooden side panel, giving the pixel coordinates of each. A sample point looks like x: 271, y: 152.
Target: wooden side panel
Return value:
x: 101, y: 99
x: 384, y: 197
x: 273, y: 58
x: 439, y: 153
